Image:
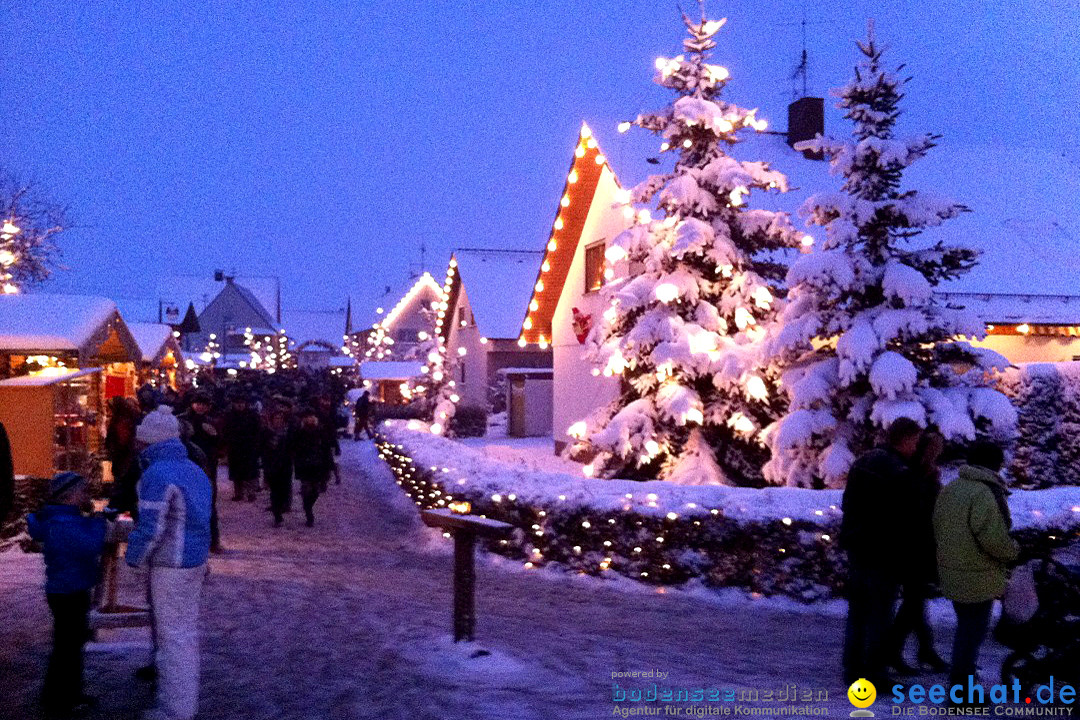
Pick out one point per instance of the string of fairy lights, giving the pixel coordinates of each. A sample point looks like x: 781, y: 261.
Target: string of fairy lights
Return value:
x: 269, y: 352
x: 8, y: 257
x: 638, y: 540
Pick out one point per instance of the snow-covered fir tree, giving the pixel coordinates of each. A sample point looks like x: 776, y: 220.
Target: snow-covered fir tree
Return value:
x: 434, y: 389
x: 862, y: 339
x: 684, y: 330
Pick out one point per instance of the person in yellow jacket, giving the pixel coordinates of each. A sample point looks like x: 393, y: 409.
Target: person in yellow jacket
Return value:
x: 974, y: 550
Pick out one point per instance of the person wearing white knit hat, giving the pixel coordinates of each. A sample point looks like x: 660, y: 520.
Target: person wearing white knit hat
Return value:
x: 172, y: 539
x: 158, y: 426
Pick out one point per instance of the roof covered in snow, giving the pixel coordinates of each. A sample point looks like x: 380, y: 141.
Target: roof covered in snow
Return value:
x: 389, y: 369
x: 34, y: 321
x: 304, y: 326
x: 176, y: 292
x: 499, y: 284
x: 1023, y: 219
x: 151, y: 338
x: 52, y: 377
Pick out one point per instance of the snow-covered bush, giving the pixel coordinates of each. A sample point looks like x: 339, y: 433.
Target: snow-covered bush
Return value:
x: 1047, y: 448
x: 774, y: 541
x: 684, y: 330
x: 862, y: 339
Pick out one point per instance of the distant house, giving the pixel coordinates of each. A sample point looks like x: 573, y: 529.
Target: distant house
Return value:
x: 176, y: 293
x: 317, y: 335
x: 392, y: 332
x: 487, y: 296
x: 1026, y: 287
x: 162, y: 358
x: 228, y: 317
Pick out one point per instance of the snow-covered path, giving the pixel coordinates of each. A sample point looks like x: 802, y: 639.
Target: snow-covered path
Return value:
x: 351, y: 619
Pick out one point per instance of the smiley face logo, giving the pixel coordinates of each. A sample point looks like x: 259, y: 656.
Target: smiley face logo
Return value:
x: 862, y: 693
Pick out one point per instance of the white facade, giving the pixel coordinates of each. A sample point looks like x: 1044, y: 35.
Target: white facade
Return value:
x: 471, y: 374
x: 577, y: 392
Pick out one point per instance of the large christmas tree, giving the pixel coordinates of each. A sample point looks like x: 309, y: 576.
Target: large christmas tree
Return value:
x: 862, y: 338
x: 684, y: 330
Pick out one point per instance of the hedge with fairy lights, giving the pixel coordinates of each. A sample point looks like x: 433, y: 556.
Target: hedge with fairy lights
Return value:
x: 639, y: 535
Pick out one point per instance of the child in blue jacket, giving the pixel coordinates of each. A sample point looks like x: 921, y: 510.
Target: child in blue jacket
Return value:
x: 73, y: 545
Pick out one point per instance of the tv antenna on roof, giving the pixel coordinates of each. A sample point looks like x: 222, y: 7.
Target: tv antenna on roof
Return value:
x: 802, y: 69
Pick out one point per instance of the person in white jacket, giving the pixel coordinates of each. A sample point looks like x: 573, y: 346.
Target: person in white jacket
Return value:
x: 171, y: 540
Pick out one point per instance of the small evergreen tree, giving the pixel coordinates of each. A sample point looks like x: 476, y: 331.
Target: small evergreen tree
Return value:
x: 862, y: 338
x: 684, y: 331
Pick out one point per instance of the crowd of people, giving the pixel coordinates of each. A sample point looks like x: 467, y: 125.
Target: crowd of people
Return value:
x: 164, y: 448
x: 906, y: 535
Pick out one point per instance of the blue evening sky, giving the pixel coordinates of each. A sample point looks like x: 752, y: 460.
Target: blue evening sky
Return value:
x: 322, y: 141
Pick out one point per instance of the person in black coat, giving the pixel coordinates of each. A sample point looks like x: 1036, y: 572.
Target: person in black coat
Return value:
x: 205, y: 434
x: 277, y: 458
x: 7, y: 476
x: 124, y: 418
x: 313, y: 458
x: 873, y: 533
x: 362, y: 416
x: 918, y: 566
x: 242, y: 433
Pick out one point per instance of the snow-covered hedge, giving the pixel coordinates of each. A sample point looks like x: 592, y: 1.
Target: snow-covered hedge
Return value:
x: 774, y: 541
x: 1047, y: 399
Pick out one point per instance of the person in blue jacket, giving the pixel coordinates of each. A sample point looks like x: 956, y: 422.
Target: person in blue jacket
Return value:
x: 171, y: 540
x: 72, y: 545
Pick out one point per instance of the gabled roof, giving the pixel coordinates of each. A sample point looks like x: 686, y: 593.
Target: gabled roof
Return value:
x: 498, y: 284
x: 180, y: 290
x: 424, y: 282
x: 253, y: 301
x: 39, y: 321
x: 571, y: 214
x: 151, y: 338
x: 322, y: 326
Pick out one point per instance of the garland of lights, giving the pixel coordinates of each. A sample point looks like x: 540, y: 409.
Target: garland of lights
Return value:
x: 376, y: 343
x: 783, y: 556
x: 435, y: 385
x: 8, y: 257
x: 269, y: 353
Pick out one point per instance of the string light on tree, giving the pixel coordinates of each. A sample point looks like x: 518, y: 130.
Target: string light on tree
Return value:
x: 683, y: 332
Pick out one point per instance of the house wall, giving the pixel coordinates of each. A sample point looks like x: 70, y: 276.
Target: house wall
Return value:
x: 577, y: 392
x: 472, y: 371
x: 410, y: 321
x: 228, y: 310
x: 1033, y: 348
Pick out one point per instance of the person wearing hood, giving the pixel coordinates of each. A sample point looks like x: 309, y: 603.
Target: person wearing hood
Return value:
x: 171, y: 540
x: 72, y: 544
x: 974, y: 550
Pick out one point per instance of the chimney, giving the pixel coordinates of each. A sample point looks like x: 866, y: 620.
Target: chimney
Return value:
x: 806, y: 118
x: 219, y: 276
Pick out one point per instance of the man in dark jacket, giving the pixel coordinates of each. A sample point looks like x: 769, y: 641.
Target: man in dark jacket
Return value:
x: 314, y: 460
x: 204, y: 434
x: 872, y: 533
x: 277, y: 458
x: 243, y: 436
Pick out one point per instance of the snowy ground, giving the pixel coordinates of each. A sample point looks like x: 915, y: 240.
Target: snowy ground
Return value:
x: 351, y: 619
x: 534, y: 453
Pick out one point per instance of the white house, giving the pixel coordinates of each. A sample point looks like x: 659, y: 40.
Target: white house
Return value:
x: 383, y: 347
x: 564, y: 300
x: 487, y: 295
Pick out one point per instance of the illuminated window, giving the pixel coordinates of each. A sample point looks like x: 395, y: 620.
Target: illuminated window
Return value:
x: 594, y: 266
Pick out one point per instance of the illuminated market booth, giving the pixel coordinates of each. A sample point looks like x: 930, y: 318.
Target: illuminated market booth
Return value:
x: 61, y: 358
